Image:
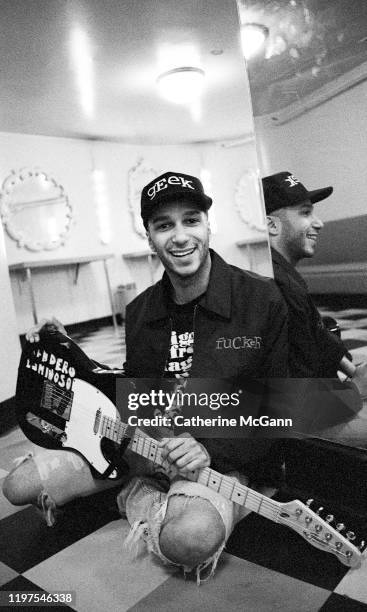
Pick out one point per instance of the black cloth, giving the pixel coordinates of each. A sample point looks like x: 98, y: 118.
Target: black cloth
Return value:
x: 240, y: 328
x: 240, y: 331
x: 321, y: 402
x: 314, y: 352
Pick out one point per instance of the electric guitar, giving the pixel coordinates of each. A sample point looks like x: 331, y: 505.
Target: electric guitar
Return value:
x: 65, y: 401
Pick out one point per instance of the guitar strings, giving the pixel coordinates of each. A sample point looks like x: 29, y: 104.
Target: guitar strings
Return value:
x: 249, y: 495
x: 115, y: 428
x: 229, y: 489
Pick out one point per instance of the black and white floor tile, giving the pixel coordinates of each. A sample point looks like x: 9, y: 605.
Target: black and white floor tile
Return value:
x: 266, y: 566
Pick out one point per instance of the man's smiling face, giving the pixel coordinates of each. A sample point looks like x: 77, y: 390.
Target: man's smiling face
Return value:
x: 179, y: 233
x: 299, y: 230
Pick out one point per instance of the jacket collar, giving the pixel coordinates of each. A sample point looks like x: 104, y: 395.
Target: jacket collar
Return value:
x: 217, y: 298
x: 279, y: 260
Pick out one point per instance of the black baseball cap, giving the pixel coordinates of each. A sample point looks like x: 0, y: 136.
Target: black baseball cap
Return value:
x: 172, y: 186
x: 284, y: 189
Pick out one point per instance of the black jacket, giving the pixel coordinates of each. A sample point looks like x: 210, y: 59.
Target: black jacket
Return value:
x: 240, y: 331
x: 314, y: 352
x: 240, y: 328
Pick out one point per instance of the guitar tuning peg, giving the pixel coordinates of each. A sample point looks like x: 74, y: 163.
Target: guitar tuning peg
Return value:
x: 320, y: 510
x: 309, y: 502
x: 351, y: 536
x: 340, y: 526
x: 362, y: 545
x: 329, y: 518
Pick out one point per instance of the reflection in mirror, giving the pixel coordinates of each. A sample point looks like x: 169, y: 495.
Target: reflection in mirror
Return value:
x: 35, y: 210
x: 247, y: 192
x: 308, y: 87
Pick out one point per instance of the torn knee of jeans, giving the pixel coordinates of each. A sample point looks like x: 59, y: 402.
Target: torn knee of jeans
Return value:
x: 19, y: 460
x: 188, y: 498
x: 48, y: 507
x: 209, y: 565
x: 149, y: 531
x: 192, y: 538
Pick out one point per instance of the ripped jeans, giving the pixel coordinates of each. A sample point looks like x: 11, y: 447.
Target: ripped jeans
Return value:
x: 145, y: 505
x: 64, y: 475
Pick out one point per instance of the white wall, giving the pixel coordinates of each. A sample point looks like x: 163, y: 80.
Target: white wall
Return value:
x: 325, y: 146
x: 71, y: 162
x: 9, y: 341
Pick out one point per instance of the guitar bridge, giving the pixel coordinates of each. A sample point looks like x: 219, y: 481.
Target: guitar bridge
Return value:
x: 45, y: 427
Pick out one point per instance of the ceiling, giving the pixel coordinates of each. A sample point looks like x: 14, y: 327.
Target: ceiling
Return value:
x: 127, y: 43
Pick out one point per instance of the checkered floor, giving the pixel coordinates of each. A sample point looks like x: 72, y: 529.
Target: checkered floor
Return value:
x: 266, y: 566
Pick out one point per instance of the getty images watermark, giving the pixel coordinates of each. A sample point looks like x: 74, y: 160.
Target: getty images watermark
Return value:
x: 169, y: 410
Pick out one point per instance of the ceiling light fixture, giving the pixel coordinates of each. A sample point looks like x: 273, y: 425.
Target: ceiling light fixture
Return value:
x: 181, y: 85
x: 253, y: 37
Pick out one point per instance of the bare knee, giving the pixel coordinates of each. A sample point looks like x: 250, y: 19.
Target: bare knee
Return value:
x: 23, y: 485
x: 192, y: 532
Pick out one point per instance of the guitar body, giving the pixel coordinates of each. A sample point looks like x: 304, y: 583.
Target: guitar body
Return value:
x: 65, y: 401
x: 79, y: 430
x: 62, y: 396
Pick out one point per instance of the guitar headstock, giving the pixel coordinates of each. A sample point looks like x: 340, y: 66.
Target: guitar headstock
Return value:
x: 319, y: 532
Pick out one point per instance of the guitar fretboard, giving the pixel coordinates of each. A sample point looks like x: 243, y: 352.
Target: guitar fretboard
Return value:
x: 225, y: 485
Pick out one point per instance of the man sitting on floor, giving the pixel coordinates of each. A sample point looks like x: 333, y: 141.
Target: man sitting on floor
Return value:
x: 176, y: 328
x: 294, y: 229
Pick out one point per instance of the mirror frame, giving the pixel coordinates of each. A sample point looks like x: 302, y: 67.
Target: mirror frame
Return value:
x: 19, y: 234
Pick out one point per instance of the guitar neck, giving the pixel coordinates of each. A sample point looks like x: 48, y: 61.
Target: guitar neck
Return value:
x: 227, y: 486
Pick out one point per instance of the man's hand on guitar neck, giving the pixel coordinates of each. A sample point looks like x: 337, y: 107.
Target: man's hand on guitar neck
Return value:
x: 186, y: 453
x: 33, y: 334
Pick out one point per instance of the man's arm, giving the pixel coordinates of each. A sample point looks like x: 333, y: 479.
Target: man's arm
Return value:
x: 53, y: 325
x: 331, y: 350
x: 356, y: 374
x: 334, y: 351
